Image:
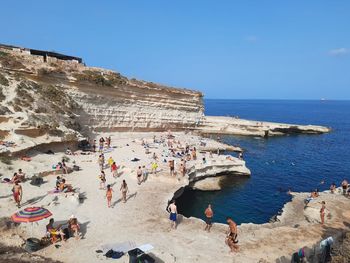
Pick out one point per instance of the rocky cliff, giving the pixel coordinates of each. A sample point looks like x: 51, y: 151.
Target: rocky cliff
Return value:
x: 47, y: 99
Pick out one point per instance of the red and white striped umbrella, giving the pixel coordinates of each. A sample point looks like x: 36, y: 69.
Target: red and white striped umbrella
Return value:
x: 30, y: 214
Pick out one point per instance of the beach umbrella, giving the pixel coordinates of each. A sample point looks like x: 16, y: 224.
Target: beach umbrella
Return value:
x: 30, y: 215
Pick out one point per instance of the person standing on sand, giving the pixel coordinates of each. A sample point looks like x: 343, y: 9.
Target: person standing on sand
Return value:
x: 139, y: 175
x: 172, y: 167
x: 154, y: 167
x: 94, y: 146
x: 322, y: 211
x: 109, y: 195
x: 101, y: 162
x: 172, y: 209
x: 114, y: 169
x: 17, y: 193
x: 102, y: 180
x: 124, y: 189
x: 102, y: 141
x: 208, y: 218
x: 231, y: 238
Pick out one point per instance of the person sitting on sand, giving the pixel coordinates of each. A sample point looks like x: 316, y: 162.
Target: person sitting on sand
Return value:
x: 102, y: 178
x: 139, y: 175
x: 124, y: 189
x: 344, y: 186
x: 58, y: 182
x: 314, y: 194
x: 208, y: 218
x: 15, y: 178
x: 74, y: 227
x: 172, y: 209
x: 54, y: 232
x: 333, y: 188
x: 65, y: 187
x: 109, y: 195
x: 64, y: 167
x: 21, y: 175
x: 231, y: 238
x: 114, y: 169
x: 17, y: 193
x: 69, y: 151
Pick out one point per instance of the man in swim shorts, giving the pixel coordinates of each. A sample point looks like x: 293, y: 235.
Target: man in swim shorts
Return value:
x: 172, y: 209
x: 231, y: 238
x: 208, y: 218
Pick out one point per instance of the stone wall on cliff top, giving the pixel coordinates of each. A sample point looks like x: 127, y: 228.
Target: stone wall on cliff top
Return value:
x: 59, y: 98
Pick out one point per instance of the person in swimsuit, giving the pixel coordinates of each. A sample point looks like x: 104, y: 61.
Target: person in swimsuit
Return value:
x: 101, y: 144
x: 154, y: 167
x: 172, y: 167
x: 74, y: 227
x: 101, y: 162
x: 124, y: 189
x: 144, y: 173
x: 114, y: 169
x: 21, y: 175
x: 102, y: 180
x: 15, y: 178
x: 208, y: 218
x: 65, y: 187
x: 54, y: 232
x: 344, y: 186
x: 110, y: 161
x: 58, y: 182
x: 17, y: 193
x: 172, y: 209
x: 139, y: 175
x: 231, y: 238
x: 194, y: 153
x: 333, y: 188
x: 322, y: 211
x: 109, y: 195
x: 94, y: 146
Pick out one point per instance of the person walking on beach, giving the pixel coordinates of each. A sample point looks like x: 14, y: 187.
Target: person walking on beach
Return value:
x: 124, y: 189
x: 172, y: 209
x: 114, y: 169
x: 139, y: 175
x: 208, y: 218
x: 102, y: 141
x: 172, y: 167
x: 322, y: 211
x: 101, y: 162
x: 102, y: 180
x: 109, y: 195
x: 144, y: 173
x: 345, y: 186
x: 94, y: 146
x: 17, y: 193
x: 231, y: 238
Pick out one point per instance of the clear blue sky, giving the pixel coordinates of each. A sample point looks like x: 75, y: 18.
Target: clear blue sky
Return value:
x: 228, y: 49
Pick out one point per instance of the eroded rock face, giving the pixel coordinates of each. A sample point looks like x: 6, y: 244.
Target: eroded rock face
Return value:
x: 57, y: 100
x: 212, y: 175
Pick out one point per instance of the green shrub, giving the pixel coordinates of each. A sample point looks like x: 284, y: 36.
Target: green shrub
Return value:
x: 3, y: 81
x: 6, y: 159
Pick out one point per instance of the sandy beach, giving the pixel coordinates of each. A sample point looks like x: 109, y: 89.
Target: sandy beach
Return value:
x: 143, y: 219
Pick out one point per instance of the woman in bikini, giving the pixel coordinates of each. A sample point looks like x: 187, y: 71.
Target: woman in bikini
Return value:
x: 102, y: 180
x: 124, y: 189
x: 109, y: 195
x: 74, y: 227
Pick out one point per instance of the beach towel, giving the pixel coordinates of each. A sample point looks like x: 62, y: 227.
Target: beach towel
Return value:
x: 54, y: 191
x: 123, y: 247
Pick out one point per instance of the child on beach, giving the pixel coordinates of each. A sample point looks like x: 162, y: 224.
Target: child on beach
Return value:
x: 110, y: 161
x: 124, y: 189
x: 154, y: 167
x: 101, y: 162
x: 102, y: 180
x: 109, y: 195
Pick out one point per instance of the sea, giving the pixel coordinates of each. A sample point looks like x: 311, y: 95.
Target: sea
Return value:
x: 297, y: 162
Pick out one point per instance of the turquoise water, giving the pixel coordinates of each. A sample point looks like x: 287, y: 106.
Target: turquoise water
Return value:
x: 299, y: 162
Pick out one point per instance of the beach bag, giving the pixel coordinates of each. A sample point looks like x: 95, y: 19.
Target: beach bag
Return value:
x: 114, y: 254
